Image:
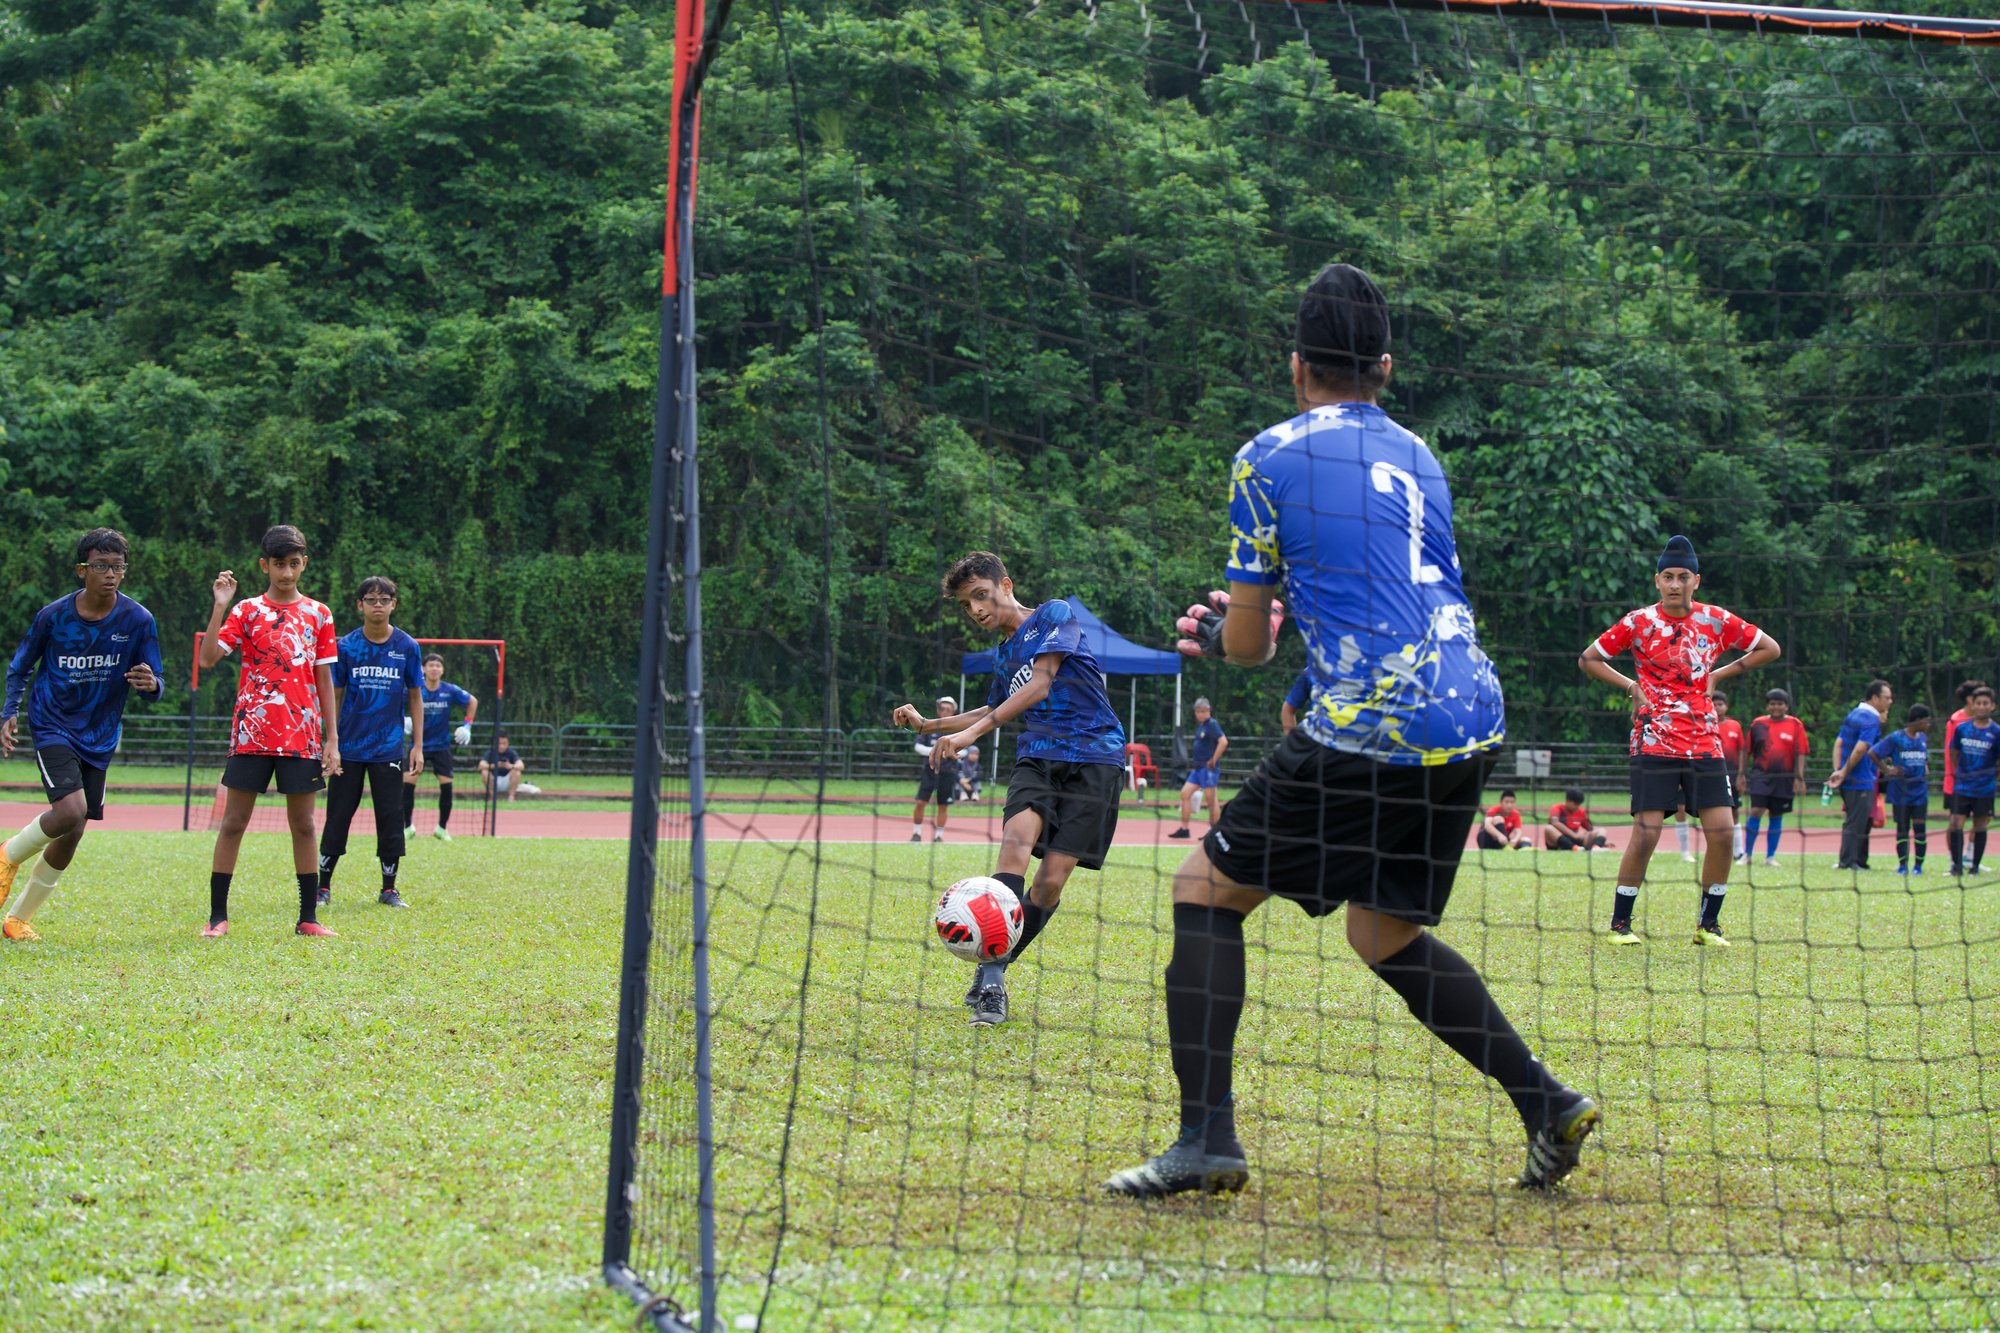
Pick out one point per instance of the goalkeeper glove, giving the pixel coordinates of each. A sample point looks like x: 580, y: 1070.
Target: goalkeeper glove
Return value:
x: 1203, y: 626
x: 463, y: 736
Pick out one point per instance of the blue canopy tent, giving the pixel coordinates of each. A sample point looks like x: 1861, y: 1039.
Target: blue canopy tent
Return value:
x: 1116, y: 656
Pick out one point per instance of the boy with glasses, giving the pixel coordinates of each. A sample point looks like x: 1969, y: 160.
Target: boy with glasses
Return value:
x: 376, y: 684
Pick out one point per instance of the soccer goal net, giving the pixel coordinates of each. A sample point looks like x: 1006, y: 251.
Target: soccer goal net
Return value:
x: 476, y: 666
x: 1024, y: 278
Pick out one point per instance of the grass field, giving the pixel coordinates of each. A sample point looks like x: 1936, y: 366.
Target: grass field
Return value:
x: 405, y: 1128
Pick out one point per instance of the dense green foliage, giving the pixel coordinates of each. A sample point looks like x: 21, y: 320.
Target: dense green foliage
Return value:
x: 388, y: 270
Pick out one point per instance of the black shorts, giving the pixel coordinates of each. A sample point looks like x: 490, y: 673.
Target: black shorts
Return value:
x: 64, y: 771
x: 435, y: 761
x: 1324, y: 828
x: 1772, y: 804
x: 1078, y: 804
x: 253, y: 772
x: 1660, y: 782
x: 1488, y: 842
x: 1968, y: 805
x: 936, y: 786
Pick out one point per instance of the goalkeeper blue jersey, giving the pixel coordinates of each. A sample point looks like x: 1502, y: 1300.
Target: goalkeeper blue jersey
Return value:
x: 1351, y: 514
x: 438, y: 704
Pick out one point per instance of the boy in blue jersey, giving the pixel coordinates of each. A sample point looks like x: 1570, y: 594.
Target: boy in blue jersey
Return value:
x: 1209, y: 747
x: 1905, y: 758
x: 1975, y: 749
x: 377, y: 683
x: 1369, y: 801
x: 1069, y: 763
x: 440, y: 696
x: 85, y: 653
x: 1297, y: 700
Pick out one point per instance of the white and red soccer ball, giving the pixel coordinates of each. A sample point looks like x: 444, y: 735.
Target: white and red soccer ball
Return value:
x: 979, y: 919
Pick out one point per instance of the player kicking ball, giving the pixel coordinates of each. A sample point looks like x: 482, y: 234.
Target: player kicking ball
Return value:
x: 1677, y: 757
x: 1069, y: 765
x: 1368, y: 801
x: 83, y: 656
x: 377, y: 683
x: 286, y: 726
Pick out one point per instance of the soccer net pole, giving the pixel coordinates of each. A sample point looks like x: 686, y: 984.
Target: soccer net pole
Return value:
x: 673, y: 553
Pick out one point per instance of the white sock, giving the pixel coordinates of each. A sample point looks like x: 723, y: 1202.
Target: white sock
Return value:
x: 41, y: 883
x: 23, y: 846
x: 1681, y: 831
x: 1740, y: 849
x: 917, y: 830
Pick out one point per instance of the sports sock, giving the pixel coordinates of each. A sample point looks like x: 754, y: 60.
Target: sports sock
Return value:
x: 41, y: 883
x: 308, y: 896
x: 916, y: 830
x: 389, y: 869
x: 1751, y: 828
x: 1623, y: 899
x: 218, y: 896
x: 1954, y: 841
x: 326, y: 865
x: 409, y: 804
x: 1447, y: 996
x: 1681, y: 833
x: 1979, y: 847
x: 1919, y: 834
x: 1711, y: 904
x: 1771, y: 837
x: 1033, y: 917
x: 444, y: 806
x: 1205, y: 979
x: 23, y: 845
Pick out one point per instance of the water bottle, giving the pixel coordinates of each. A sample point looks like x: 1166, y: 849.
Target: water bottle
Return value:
x: 1826, y: 792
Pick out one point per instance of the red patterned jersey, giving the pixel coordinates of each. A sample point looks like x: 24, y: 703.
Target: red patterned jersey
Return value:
x: 277, y: 698
x: 1674, y: 658
x: 1509, y: 817
x: 1731, y: 734
x: 1776, y: 744
x: 1576, y: 820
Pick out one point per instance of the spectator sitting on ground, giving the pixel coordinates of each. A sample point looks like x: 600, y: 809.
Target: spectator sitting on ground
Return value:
x: 501, y: 769
x: 1570, y: 825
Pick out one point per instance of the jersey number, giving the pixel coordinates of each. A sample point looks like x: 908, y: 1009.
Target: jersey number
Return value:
x: 1387, y: 476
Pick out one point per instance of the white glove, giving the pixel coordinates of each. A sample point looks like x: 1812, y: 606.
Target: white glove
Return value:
x: 463, y: 736
x: 407, y: 728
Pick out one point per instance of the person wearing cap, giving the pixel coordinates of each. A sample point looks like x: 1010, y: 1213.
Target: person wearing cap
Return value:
x: 1209, y: 747
x: 1777, y: 772
x: 1369, y: 802
x: 1904, y: 755
x: 931, y: 783
x: 1676, y: 743
x: 1854, y: 772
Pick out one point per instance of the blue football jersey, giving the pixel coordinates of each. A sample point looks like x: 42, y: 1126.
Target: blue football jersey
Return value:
x: 1351, y: 514
x: 1862, y: 727
x: 1976, y: 771
x: 438, y: 704
x: 1207, y: 739
x: 1912, y: 754
x: 78, y: 668
x: 1301, y: 692
x: 1076, y: 722
x: 378, y: 678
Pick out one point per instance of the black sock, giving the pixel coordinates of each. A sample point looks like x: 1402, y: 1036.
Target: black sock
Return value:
x: 444, y: 806
x: 326, y: 865
x: 1920, y: 832
x: 389, y: 869
x: 218, y: 897
x: 1622, y: 904
x: 1979, y: 848
x: 308, y: 896
x: 1033, y: 918
x: 1205, y: 980
x: 1711, y: 904
x: 409, y: 804
x: 1447, y: 996
x: 1954, y: 839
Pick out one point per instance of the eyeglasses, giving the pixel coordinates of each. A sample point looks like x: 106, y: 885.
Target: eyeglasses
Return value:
x: 378, y: 601
x: 99, y: 567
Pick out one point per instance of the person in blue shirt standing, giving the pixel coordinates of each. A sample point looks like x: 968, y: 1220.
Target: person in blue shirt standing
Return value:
x: 1297, y: 699
x: 1369, y: 801
x: 1975, y: 749
x: 440, y: 697
x: 85, y: 653
x: 376, y: 684
x: 1069, y: 762
x: 1209, y: 747
x: 1854, y: 773
x: 1904, y: 757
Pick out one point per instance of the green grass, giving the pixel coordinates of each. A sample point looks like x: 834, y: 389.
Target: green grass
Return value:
x: 405, y: 1127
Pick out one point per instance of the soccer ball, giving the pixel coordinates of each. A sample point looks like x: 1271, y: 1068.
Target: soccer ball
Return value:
x: 979, y: 919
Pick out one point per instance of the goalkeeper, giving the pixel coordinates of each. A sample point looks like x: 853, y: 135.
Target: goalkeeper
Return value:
x: 1368, y: 801
x: 440, y: 698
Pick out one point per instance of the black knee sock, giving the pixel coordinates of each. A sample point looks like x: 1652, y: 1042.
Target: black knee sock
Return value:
x: 409, y: 804
x: 1919, y: 832
x: 1033, y: 918
x: 326, y: 865
x: 1954, y: 840
x: 1979, y: 848
x: 1204, y: 1002
x: 389, y: 869
x: 308, y: 896
x: 1447, y: 996
x: 444, y: 806
x: 218, y: 897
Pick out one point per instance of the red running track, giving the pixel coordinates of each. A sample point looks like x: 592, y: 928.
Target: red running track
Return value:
x: 970, y: 828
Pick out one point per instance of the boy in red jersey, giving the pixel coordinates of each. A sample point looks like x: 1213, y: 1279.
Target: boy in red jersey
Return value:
x: 1570, y: 825
x: 1776, y: 766
x: 286, y: 718
x: 1730, y: 732
x: 1676, y: 744
x: 1501, y: 828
